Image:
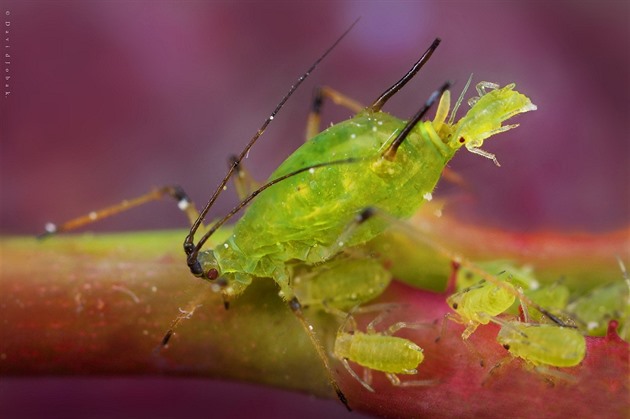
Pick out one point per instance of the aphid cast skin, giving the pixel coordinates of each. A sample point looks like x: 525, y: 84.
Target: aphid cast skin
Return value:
x: 543, y: 344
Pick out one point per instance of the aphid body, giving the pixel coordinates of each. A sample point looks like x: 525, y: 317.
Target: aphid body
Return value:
x: 596, y: 308
x: 475, y: 297
x: 479, y: 304
x: 341, y: 283
x: 543, y: 344
x: 303, y: 217
x: 379, y: 351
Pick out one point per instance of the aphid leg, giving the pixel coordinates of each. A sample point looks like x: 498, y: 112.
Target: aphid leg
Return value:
x: 354, y: 375
x: 393, y: 378
x: 296, y: 308
x: 367, y: 376
x: 244, y: 183
x: 483, y: 87
x: 174, y: 191
x: 405, y: 325
x: 549, y: 374
x: 493, y: 372
x: 325, y: 92
x: 483, y: 153
x: 184, y: 314
x: 337, y: 246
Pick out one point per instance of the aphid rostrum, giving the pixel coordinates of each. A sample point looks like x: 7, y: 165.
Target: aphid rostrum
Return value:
x: 313, y: 206
x: 379, y: 351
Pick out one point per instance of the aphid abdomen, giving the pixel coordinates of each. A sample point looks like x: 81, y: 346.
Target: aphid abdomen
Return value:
x: 544, y: 344
x: 382, y: 353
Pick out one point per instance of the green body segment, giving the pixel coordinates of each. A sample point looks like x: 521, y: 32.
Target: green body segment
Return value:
x: 342, y: 283
x: 388, y: 354
x: 543, y: 344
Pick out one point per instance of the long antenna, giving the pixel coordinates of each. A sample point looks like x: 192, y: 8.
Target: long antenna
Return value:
x: 189, y: 241
x: 391, y: 91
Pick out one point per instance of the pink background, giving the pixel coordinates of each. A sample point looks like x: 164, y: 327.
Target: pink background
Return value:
x: 108, y: 99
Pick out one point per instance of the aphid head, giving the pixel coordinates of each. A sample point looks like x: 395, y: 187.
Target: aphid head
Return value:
x: 488, y: 111
x: 227, y: 283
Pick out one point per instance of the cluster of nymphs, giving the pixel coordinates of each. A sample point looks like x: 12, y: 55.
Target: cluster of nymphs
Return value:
x: 541, y: 324
x: 544, y: 325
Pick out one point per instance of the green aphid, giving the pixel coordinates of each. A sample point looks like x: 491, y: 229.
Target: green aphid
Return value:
x: 480, y: 304
x: 543, y: 344
x: 303, y: 217
x: 316, y: 204
x: 341, y: 283
x: 552, y: 297
x: 595, y: 309
x: 379, y: 351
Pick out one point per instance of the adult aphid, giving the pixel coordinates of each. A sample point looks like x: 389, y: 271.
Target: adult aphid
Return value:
x: 313, y: 207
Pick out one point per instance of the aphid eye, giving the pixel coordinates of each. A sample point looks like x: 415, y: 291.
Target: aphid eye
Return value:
x: 461, y: 140
x: 212, y: 274
x: 506, y: 346
x: 454, y: 306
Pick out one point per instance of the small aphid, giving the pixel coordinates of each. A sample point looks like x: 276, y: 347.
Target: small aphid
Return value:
x: 596, y: 308
x: 543, y: 344
x: 552, y: 297
x: 379, y: 351
x: 340, y: 284
x: 479, y: 304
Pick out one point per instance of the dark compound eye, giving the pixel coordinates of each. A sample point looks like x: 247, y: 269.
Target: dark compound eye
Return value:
x: 212, y: 274
x: 506, y: 346
x: 454, y: 306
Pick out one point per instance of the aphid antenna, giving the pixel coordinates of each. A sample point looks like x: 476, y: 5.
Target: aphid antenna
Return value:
x: 189, y: 240
x: 390, y: 152
x: 392, y: 90
x: 460, y: 99
x: 193, y: 263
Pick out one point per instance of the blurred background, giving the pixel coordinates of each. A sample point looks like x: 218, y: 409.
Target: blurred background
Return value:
x: 109, y: 98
